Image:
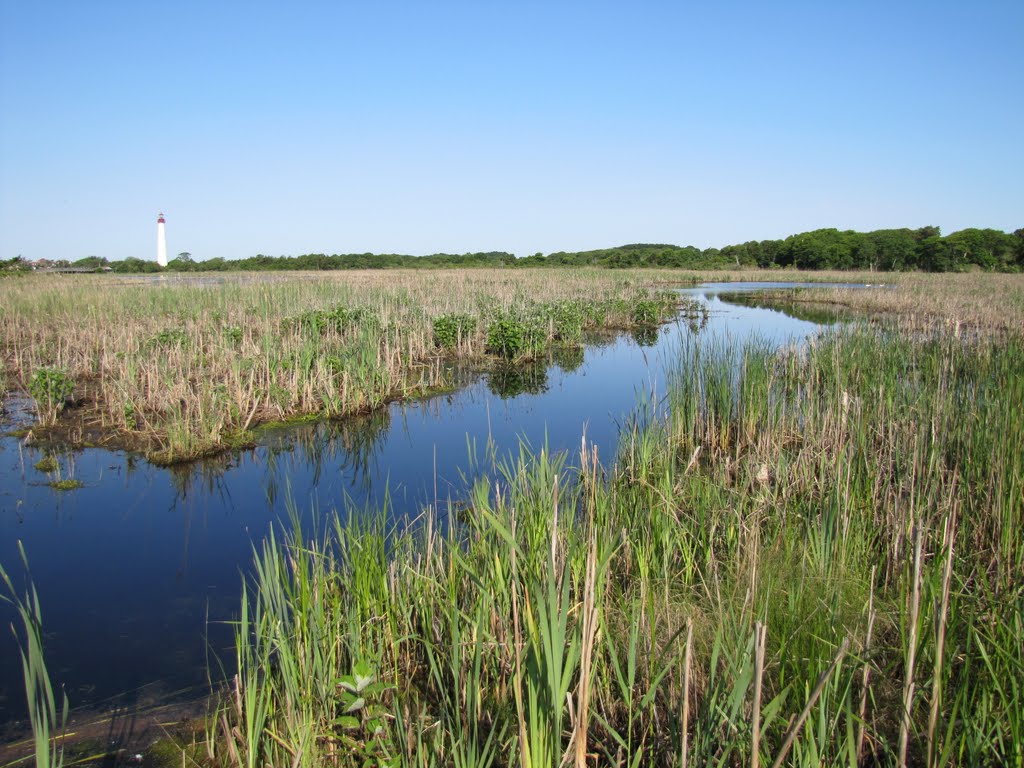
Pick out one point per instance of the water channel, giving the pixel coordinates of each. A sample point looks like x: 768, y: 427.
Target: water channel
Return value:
x: 139, y: 570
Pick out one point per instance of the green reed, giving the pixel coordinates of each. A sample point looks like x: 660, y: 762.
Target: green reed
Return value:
x: 45, y: 718
x: 811, y: 558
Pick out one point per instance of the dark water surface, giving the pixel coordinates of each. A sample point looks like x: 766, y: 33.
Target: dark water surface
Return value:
x: 139, y: 569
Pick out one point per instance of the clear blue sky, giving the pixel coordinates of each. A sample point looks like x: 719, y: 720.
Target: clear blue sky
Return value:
x: 437, y: 126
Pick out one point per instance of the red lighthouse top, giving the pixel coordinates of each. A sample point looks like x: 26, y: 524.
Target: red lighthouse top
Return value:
x: 161, y: 219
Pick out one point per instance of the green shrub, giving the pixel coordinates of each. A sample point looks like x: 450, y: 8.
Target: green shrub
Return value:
x: 334, y: 363
x: 130, y: 419
x: 511, y: 336
x: 320, y: 321
x: 567, y: 319
x: 452, y: 328
x: 233, y: 334
x: 50, y: 388
x: 169, y: 337
x: 646, y: 312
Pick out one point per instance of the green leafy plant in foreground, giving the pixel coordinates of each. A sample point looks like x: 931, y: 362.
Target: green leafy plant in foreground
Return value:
x: 567, y: 318
x: 234, y: 334
x: 363, y: 722
x: 50, y: 388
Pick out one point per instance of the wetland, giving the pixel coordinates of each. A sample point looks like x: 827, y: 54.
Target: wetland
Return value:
x: 687, y: 489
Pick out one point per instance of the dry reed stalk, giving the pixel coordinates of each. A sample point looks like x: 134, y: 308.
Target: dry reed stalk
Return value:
x: 948, y: 536
x: 517, y: 685
x: 760, y: 635
x: 589, y: 624
x: 866, y: 674
x: 908, y: 679
x: 685, y: 724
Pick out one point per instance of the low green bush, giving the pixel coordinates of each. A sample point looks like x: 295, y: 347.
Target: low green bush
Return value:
x: 452, y: 328
x: 50, y: 388
x: 515, y: 335
x: 321, y: 321
x: 567, y: 318
x: 169, y: 337
x: 646, y: 312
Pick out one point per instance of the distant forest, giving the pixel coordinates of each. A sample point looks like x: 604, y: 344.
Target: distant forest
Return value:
x: 884, y: 250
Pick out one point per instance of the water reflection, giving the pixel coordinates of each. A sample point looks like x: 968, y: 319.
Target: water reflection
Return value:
x: 508, y: 381
x: 811, y: 313
x: 568, y: 359
x: 349, y: 447
x: 645, y: 337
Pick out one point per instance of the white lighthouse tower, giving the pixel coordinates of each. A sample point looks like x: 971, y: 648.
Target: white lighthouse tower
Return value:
x: 161, y: 242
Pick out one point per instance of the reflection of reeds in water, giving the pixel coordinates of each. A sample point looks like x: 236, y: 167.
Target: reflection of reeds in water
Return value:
x: 812, y: 558
x: 349, y: 445
x: 508, y: 381
x: 530, y: 377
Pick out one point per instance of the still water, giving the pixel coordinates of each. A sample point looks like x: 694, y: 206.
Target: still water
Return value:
x: 139, y: 570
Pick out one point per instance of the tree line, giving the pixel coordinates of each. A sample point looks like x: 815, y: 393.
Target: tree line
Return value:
x: 883, y: 250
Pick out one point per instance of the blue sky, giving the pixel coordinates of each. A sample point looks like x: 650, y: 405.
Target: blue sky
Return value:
x: 426, y: 127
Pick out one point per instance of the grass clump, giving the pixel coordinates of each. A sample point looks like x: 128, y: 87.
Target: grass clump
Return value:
x: 646, y: 312
x: 67, y: 484
x: 46, y: 464
x: 45, y: 717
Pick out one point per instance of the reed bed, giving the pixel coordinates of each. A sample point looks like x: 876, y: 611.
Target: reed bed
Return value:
x: 812, y: 557
x: 182, y: 367
x: 978, y: 302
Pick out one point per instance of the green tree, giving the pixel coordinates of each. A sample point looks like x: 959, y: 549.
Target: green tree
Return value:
x: 890, y: 249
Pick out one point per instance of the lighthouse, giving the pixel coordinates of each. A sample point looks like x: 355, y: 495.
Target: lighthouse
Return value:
x: 161, y: 242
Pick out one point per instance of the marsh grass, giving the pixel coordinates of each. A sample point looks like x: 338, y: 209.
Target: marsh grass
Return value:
x: 46, y: 719
x: 180, y: 368
x: 813, y: 557
x: 979, y: 302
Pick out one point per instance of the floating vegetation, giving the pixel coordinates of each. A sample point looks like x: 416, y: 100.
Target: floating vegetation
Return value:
x: 46, y: 464
x: 68, y: 484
